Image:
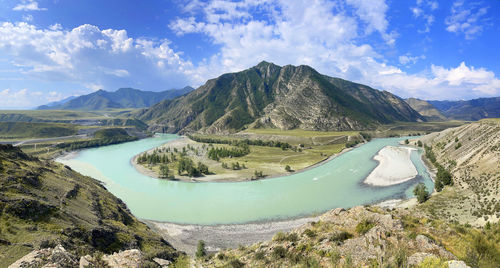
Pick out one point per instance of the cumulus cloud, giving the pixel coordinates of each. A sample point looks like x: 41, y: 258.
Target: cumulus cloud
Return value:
x: 424, y: 11
x: 466, y: 18
x: 86, y: 53
x: 321, y: 34
x: 28, y: 5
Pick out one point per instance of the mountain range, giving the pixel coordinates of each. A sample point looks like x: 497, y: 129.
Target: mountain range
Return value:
x: 471, y: 110
x: 122, y: 98
x: 283, y: 97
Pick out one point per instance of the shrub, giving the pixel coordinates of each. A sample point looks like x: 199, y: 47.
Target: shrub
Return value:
x: 340, y: 237
x: 288, y: 168
x: 279, y: 252
x: 235, y: 263
x: 200, y: 251
x: 421, y: 192
x: 364, y: 226
x: 310, y: 233
x: 260, y: 255
x: 407, y: 141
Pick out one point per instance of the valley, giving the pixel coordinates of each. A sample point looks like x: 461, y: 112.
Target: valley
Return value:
x: 272, y: 166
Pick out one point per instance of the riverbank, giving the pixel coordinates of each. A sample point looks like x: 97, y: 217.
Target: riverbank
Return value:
x: 395, y: 166
x: 229, y: 175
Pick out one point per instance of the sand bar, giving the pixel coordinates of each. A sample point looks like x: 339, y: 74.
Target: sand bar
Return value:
x: 395, y: 166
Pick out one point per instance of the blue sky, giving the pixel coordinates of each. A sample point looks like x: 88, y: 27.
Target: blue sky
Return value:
x: 52, y: 49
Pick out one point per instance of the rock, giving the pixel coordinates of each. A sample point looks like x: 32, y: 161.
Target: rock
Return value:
x: 86, y: 261
x: 424, y: 243
x: 338, y: 210
x: 457, y: 264
x: 131, y: 258
x: 418, y: 258
x: 162, y: 262
x: 56, y: 257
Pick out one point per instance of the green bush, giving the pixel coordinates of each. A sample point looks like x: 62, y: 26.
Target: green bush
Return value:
x: 200, y: 250
x: 364, y: 226
x: 421, y: 192
x: 310, y: 233
x: 279, y: 252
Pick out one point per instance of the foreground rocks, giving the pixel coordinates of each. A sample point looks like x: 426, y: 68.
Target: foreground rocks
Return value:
x: 58, y: 257
x: 358, y: 237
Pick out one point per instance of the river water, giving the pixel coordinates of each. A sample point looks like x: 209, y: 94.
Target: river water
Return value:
x: 336, y: 183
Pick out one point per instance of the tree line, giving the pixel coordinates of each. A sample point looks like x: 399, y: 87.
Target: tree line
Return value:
x: 75, y: 145
x: 217, y: 153
x: 279, y: 144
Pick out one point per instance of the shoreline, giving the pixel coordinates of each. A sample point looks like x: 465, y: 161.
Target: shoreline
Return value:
x: 220, y: 178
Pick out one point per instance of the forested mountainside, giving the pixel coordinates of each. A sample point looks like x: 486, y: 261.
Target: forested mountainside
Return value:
x: 283, y: 97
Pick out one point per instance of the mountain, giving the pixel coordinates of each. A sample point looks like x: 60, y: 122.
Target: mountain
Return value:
x: 122, y: 98
x: 49, y: 105
x: 472, y: 110
x: 43, y: 203
x: 426, y: 109
x: 284, y: 97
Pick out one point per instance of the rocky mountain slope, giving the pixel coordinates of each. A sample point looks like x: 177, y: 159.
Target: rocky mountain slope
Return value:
x: 122, y: 98
x: 426, y: 109
x: 472, y: 154
x: 43, y: 203
x: 283, y: 97
x: 470, y: 110
x: 369, y: 237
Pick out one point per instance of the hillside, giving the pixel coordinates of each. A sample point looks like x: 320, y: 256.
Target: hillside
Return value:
x: 43, y: 204
x: 426, y: 109
x: 471, y: 110
x: 472, y: 154
x: 122, y: 98
x: 280, y: 97
x: 369, y: 237
x: 20, y: 130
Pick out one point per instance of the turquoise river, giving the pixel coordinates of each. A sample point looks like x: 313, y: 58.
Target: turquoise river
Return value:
x: 336, y: 183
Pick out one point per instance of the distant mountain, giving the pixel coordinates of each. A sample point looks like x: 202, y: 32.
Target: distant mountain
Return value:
x: 283, y: 97
x: 426, y: 109
x: 475, y: 109
x: 49, y: 105
x: 122, y: 98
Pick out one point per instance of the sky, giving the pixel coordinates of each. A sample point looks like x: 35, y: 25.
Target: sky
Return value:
x: 434, y: 50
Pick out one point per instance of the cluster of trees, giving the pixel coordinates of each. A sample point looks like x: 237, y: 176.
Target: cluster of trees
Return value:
x: 154, y: 158
x: 186, y: 164
x: 259, y: 174
x: 366, y: 136
x: 443, y: 176
x: 234, y: 166
x: 217, y: 153
x: 280, y: 144
x: 70, y: 146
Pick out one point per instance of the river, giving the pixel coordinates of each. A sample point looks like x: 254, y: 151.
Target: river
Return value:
x: 336, y: 183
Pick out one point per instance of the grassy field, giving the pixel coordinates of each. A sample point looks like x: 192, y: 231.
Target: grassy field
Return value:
x: 300, y: 132
x: 56, y: 115
x: 23, y: 130
x: 271, y: 161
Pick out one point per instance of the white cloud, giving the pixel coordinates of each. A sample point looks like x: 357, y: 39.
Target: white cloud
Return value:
x: 86, y: 53
x: 466, y: 18
x: 322, y: 35
x: 27, y: 18
x: 408, y: 59
x: 373, y: 13
x: 424, y: 10
x: 28, y: 5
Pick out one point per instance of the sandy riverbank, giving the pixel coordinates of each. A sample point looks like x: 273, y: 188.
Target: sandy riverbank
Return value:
x: 217, y: 237
x: 227, y: 177
x: 395, y: 166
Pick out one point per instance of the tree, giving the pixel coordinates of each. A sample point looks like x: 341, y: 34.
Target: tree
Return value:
x: 200, y: 251
x: 164, y: 171
x: 407, y: 141
x: 421, y: 193
x: 288, y: 168
x: 419, y: 143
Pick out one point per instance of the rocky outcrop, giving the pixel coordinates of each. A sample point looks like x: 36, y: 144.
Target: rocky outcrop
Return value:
x: 358, y: 237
